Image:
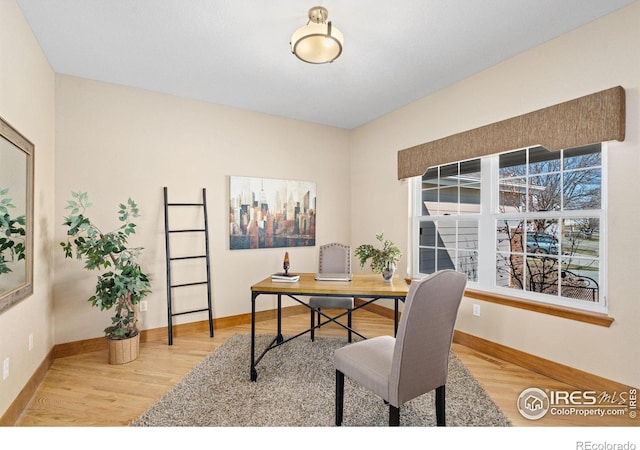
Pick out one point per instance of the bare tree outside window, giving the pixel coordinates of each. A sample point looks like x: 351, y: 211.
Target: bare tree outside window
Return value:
x: 540, y: 248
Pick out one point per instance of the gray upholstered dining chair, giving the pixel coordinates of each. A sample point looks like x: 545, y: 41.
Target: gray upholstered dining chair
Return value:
x: 334, y: 258
x: 415, y: 361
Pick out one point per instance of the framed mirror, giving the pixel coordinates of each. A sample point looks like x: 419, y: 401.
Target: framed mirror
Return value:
x: 16, y: 216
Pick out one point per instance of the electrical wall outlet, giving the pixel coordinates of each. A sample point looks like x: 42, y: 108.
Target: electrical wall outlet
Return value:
x: 30, y: 341
x: 476, y: 310
x: 5, y: 368
x: 143, y: 305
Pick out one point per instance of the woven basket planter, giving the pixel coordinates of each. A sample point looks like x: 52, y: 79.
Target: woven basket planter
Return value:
x: 122, y: 351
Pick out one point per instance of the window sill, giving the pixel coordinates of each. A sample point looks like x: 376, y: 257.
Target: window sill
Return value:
x: 567, y: 313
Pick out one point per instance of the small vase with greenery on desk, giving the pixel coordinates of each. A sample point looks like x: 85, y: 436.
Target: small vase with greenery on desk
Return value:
x: 383, y: 260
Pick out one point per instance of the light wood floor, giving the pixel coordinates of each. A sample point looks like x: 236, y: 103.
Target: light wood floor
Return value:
x: 84, y: 390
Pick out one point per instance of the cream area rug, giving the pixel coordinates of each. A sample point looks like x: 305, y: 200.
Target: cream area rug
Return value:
x: 296, y: 388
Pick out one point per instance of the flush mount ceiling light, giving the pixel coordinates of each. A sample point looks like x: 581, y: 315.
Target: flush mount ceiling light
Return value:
x: 317, y: 42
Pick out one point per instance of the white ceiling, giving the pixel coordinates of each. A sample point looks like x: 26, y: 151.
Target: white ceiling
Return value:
x: 236, y: 52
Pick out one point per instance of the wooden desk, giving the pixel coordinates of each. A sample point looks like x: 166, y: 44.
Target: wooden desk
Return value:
x: 369, y: 287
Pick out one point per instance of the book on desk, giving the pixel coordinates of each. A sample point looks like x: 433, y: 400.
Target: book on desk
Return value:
x: 285, y: 277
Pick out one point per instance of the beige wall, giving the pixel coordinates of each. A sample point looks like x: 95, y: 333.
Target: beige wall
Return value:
x: 115, y: 142
x: 600, y: 55
x: 27, y: 103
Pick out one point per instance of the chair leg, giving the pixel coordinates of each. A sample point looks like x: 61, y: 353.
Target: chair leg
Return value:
x: 440, y: 406
x: 349, y: 325
x: 319, y: 319
x: 394, y: 416
x: 339, y: 397
x: 313, y: 325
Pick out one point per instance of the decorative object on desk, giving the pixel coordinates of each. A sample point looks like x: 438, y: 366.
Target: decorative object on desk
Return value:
x: 285, y: 264
x: 123, y: 285
x: 296, y: 388
x: 285, y: 276
x: 383, y: 260
x: 271, y: 213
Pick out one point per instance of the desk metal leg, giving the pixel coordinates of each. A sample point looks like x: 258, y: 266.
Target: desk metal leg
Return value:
x: 395, y: 317
x: 253, y: 372
x: 279, y: 336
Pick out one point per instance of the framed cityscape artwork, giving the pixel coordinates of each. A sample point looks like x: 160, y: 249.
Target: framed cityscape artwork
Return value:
x: 271, y: 213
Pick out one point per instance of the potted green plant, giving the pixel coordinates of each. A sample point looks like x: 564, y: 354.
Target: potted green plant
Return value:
x: 122, y: 283
x: 383, y: 260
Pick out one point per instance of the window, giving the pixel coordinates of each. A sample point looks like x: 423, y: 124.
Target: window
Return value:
x: 527, y: 223
x: 451, y: 201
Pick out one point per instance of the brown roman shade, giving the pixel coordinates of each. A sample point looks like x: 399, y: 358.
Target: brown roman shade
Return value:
x: 591, y: 119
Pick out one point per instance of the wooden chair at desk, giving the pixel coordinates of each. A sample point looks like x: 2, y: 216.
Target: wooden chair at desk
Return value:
x: 334, y: 258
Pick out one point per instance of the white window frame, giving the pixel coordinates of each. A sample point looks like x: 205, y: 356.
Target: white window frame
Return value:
x: 487, y: 219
